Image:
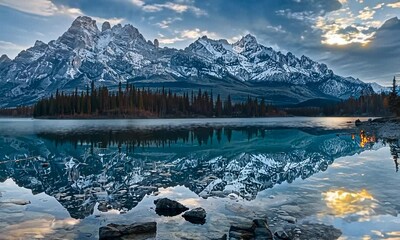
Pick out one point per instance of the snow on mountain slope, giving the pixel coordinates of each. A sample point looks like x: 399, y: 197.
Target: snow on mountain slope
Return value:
x: 121, y: 53
x: 379, y: 88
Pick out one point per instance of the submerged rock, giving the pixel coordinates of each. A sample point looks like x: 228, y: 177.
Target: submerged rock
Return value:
x: 168, y: 207
x: 224, y: 237
x: 258, y: 231
x: 196, y: 216
x: 134, y: 231
x: 261, y: 230
x: 281, y: 234
x: 288, y: 219
x: 313, y: 231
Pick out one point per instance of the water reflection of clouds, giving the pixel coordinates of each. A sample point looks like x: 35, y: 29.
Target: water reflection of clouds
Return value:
x: 37, y: 228
x: 343, y: 202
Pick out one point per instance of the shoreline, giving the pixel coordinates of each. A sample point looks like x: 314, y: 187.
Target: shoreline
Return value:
x: 172, y: 117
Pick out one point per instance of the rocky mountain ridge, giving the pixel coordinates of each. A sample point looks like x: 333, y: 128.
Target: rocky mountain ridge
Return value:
x: 121, y: 54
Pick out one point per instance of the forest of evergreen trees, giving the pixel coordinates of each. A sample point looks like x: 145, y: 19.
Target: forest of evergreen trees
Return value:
x: 131, y: 102
x: 377, y: 105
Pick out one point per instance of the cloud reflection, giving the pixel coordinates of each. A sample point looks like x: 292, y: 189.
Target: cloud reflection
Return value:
x: 38, y: 228
x: 343, y: 202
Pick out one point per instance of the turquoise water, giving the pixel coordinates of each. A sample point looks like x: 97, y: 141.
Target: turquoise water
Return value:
x: 82, y: 174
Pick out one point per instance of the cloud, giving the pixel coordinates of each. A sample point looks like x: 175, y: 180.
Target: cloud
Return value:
x: 176, y: 7
x: 76, y: 12
x: 376, y: 61
x: 394, y: 5
x: 47, y: 8
x: 167, y: 22
x: 138, y: 3
x: 325, y: 30
x: 11, y: 48
x: 184, y: 35
x: 168, y: 41
x: 343, y: 28
x: 37, y: 7
x: 379, y: 6
x: 197, y: 33
x: 366, y: 14
x: 152, y: 8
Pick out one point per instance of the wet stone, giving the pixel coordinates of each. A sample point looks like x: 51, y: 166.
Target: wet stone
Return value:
x: 314, y: 231
x: 195, y: 216
x: 224, y: 237
x: 134, y: 231
x: 281, y: 234
x: 261, y: 230
x: 258, y: 230
x: 102, y: 207
x: 168, y: 207
x: 288, y: 219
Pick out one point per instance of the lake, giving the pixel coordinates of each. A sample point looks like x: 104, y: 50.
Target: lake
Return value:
x: 64, y: 179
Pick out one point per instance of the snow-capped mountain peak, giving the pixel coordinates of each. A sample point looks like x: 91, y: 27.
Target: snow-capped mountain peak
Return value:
x: 121, y: 53
x: 247, y: 43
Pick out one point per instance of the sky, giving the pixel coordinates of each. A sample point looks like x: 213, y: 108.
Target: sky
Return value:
x: 359, y: 38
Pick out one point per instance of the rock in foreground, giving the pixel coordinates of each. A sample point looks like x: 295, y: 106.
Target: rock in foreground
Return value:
x: 168, y: 207
x: 258, y: 231
x: 196, y: 216
x: 146, y: 230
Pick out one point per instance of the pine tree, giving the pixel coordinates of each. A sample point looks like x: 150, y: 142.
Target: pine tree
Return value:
x: 393, y: 100
x: 218, y: 107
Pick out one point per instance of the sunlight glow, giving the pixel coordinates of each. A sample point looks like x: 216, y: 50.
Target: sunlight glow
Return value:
x: 343, y: 202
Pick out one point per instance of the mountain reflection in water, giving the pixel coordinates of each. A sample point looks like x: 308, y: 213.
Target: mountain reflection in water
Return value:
x: 116, y: 169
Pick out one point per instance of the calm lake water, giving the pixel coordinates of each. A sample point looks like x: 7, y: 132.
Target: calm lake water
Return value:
x: 80, y: 175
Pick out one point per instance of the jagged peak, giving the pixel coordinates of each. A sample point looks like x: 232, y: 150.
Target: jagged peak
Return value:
x: 84, y: 22
x: 156, y: 43
x: 4, y: 58
x: 39, y: 43
x: 305, y: 58
x: 106, y: 26
x: 250, y: 37
x: 223, y: 41
x: 248, y: 42
x: 206, y: 38
x: 117, y: 26
x: 247, y: 39
x: 132, y: 31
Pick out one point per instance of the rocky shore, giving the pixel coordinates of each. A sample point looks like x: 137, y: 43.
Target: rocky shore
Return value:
x: 386, y: 128
x: 285, y: 227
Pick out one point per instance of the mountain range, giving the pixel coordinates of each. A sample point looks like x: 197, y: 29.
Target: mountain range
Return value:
x: 114, y: 54
x: 129, y: 165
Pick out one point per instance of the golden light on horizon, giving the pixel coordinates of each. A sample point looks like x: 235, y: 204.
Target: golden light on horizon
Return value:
x: 333, y: 38
x: 343, y: 202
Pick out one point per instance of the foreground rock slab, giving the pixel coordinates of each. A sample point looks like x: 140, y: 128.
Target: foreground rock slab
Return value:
x: 196, y: 216
x: 168, y: 207
x: 138, y: 231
